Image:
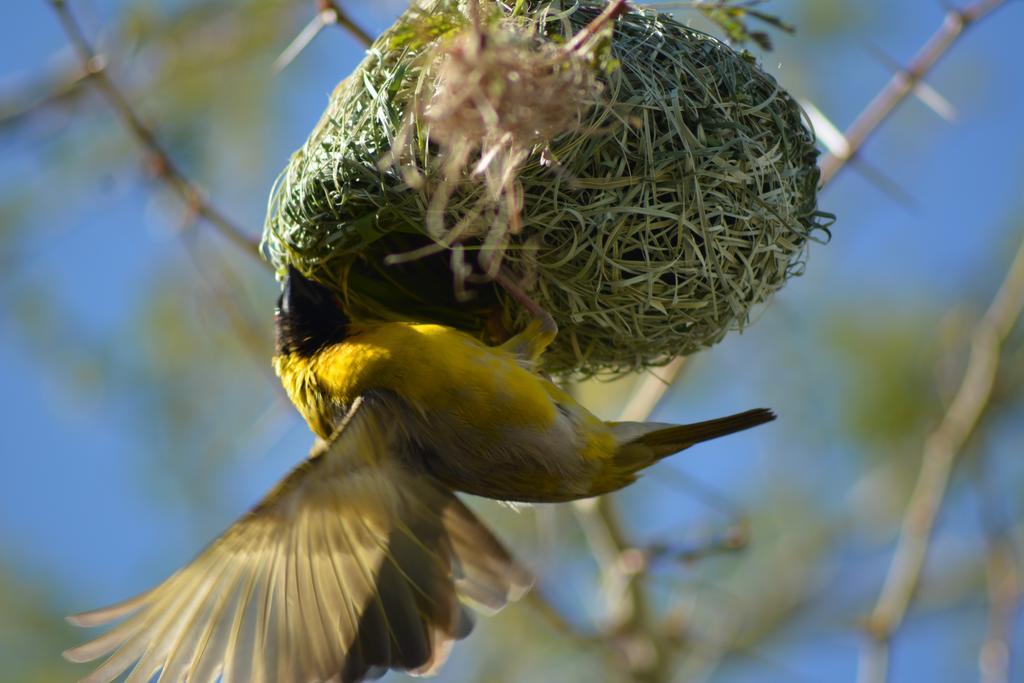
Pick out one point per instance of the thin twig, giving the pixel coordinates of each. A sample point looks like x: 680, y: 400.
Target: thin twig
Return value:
x: 904, y: 82
x: 1004, y: 596
x: 649, y: 392
x: 59, y: 89
x: 615, y: 9
x: 624, y: 584
x: 1003, y: 581
x: 165, y: 168
x: 733, y: 538
x: 749, y: 615
x: 329, y: 14
x: 545, y: 608
x: 246, y: 332
x: 623, y: 578
x: 342, y: 19
x: 940, y: 451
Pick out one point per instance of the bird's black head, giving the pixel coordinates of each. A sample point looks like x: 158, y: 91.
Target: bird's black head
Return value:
x: 308, y: 317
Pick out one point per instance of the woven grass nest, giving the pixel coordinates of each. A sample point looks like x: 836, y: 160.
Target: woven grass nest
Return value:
x: 676, y: 193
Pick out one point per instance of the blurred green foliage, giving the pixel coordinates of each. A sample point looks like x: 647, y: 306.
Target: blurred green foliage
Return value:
x: 889, y: 362
x: 862, y: 386
x: 30, y: 631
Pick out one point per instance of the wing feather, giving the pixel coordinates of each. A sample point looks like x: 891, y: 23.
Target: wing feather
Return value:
x: 311, y: 605
x: 210, y: 662
x: 192, y: 634
x: 355, y: 563
x: 176, y: 626
x: 347, y: 617
x: 287, y: 658
x: 206, y: 656
x: 237, y: 658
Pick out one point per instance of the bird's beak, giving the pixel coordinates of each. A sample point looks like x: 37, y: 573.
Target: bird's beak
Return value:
x: 308, y: 316
x: 298, y: 293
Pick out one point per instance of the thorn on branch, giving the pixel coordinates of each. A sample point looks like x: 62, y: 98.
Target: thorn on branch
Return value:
x: 903, y: 82
x: 328, y: 14
x: 734, y: 538
x: 23, y: 102
x: 96, y: 65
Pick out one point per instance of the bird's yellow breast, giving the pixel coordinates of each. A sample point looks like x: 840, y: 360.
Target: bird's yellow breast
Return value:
x: 434, y: 368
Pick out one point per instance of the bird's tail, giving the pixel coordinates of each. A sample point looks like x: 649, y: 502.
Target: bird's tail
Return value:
x: 644, y: 443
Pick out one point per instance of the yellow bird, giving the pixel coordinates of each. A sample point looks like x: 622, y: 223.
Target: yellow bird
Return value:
x: 362, y: 559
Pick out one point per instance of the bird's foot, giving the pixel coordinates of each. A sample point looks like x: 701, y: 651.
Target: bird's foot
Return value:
x: 508, y: 283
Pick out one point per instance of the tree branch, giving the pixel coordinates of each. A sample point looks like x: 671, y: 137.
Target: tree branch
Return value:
x: 333, y: 13
x: 939, y: 454
x: 623, y: 578
x: 1003, y: 583
x: 896, y: 90
x: 194, y: 199
x: 246, y: 332
x: 59, y: 89
x: 903, y: 83
x: 652, y: 390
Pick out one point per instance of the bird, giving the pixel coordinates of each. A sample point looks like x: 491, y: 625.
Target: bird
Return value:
x: 364, y: 559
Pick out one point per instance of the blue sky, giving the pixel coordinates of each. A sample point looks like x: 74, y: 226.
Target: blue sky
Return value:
x: 71, y: 508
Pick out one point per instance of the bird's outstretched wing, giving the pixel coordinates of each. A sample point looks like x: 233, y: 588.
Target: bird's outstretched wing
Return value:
x: 355, y: 563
